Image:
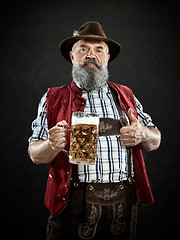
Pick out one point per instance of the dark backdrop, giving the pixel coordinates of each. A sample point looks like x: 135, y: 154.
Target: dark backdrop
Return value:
x: 30, y: 63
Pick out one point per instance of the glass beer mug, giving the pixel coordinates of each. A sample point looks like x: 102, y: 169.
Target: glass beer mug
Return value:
x: 84, y: 138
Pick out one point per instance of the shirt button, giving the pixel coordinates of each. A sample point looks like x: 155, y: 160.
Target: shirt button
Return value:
x: 66, y: 186
x: 63, y: 198
x: 68, y: 173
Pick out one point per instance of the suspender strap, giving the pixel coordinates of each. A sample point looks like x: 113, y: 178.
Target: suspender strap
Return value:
x: 125, y: 123
x: 75, y: 176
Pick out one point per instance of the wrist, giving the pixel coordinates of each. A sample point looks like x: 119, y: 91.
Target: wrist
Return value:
x: 145, y: 134
x: 52, y: 149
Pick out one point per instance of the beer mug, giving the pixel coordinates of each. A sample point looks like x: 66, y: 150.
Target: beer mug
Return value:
x: 84, y: 138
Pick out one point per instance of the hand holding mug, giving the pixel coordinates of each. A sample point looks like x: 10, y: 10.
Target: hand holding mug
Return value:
x: 57, y: 136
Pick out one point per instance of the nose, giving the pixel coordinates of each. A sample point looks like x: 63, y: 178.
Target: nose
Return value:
x: 91, y: 54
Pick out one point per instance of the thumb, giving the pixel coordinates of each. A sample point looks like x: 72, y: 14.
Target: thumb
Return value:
x: 131, y: 116
x: 63, y: 123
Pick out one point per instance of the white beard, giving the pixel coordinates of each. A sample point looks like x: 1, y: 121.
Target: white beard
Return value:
x: 90, y: 78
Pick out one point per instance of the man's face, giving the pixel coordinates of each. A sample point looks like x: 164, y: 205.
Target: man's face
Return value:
x: 90, y: 59
x: 91, y: 49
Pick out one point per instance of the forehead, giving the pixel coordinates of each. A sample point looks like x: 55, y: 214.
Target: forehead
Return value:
x: 90, y: 43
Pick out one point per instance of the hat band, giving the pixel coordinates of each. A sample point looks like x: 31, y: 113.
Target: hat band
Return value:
x: 89, y: 35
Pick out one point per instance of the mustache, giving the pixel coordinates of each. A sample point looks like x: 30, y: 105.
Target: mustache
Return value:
x: 90, y: 60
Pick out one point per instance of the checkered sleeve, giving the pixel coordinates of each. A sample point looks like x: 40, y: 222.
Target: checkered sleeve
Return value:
x: 144, y: 118
x: 39, y: 125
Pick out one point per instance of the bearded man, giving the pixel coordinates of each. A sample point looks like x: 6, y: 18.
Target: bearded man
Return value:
x: 93, y: 201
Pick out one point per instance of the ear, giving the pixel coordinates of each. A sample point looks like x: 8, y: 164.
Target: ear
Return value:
x: 71, y: 56
x: 108, y: 57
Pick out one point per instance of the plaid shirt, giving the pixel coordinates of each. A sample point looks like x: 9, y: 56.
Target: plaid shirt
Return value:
x: 111, y: 163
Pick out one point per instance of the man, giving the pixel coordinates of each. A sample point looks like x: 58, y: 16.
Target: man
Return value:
x: 93, y: 201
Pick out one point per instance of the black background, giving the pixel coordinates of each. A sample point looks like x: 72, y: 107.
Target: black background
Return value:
x: 30, y: 63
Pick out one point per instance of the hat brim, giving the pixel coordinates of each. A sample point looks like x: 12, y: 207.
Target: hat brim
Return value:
x: 66, y: 46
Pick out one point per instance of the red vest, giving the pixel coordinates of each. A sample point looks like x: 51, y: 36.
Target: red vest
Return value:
x: 61, y: 102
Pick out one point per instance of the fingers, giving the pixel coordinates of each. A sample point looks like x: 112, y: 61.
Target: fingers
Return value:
x: 58, y: 144
x: 57, y: 136
x: 132, y: 135
x: 128, y: 131
x: 128, y: 136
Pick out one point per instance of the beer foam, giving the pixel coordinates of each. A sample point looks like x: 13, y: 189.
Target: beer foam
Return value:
x: 85, y: 120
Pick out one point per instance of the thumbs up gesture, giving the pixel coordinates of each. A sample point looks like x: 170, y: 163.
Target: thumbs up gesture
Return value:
x: 135, y: 133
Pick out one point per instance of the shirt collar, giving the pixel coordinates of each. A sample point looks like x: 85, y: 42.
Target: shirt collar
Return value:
x: 76, y: 88
x: 104, y: 89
